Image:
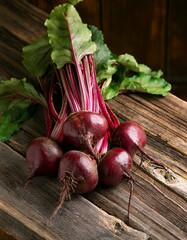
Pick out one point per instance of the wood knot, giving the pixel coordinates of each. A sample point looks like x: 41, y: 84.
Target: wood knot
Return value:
x: 118, y: 226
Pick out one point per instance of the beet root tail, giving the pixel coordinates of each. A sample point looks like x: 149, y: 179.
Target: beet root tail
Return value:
x: 131, y: 181
x: 63, y: 195
x: 155, y: 160
x: 68, y: 186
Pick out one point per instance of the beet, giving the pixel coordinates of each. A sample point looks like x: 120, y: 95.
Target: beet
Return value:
x: 131, y: 137
x: 114, y: 167
x: 42, y: 157
x: 77, y: 173
x: 84, y: 129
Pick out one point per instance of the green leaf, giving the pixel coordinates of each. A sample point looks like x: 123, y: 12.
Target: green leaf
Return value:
x: 102, y: 53
x: 20, y: 89
x: 37, y: 56
x: 16, y: 98
x: 69, y: 37
x: 130, y: 63
x: 110, y: 89
x: 10, y: 121
x: 107, y: 71
x: 143, y: 82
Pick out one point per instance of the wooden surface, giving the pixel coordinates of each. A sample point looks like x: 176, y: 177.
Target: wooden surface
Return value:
x: 159, y: 202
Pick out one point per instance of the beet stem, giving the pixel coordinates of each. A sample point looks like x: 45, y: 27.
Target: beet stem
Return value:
x: 91, y: 149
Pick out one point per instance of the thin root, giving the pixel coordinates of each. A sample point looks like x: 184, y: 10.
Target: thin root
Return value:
x: 131, y: 181
x: 69, y: 185
x: 158, y: 162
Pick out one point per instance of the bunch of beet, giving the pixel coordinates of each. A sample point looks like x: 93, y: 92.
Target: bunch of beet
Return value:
x: 84, y: 144
x: 80, y: 167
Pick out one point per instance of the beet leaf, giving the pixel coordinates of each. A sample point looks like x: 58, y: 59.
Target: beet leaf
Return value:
x: 69, y: 37
x: 37, y: 56
x: 122, y: 74
x: 16, y: 98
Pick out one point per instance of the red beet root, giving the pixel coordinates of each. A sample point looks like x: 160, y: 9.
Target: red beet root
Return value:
x: 84, y: 129
x: 114, y: 167
x: 42, y: 157
x: 77, y: 174
x: 132, y: 137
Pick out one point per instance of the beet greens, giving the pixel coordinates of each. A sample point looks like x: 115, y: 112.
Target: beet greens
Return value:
x: 67, y: 76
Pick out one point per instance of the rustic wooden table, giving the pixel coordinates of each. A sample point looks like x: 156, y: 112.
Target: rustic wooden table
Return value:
x: 159, y: 202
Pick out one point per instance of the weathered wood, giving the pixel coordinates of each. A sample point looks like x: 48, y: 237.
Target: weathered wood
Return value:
x: 22, y: 19
x: 159, y: 203
x: 11, y: 57
x: 163, y: 202
x: 27, y: 215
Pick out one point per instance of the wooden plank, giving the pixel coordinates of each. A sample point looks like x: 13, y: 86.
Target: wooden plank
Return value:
x: 46, y: 6
x: 30, y: 213
x: 11, y: 56
x: 136, y: 27
x: 22, y: 19
x: 158, y: 201
x: 176, y: 47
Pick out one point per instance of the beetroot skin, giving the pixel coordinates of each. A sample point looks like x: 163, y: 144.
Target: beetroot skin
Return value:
x: 43, y: 156
x: 81, y: 168
x: 77, y: 174
x: 84, y: 129
x: 130, y: 136
x: 114, y: 167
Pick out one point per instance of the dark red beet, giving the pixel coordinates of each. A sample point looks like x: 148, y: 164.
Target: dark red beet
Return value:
x: 132, y: 137
x: 77, y: 174
x: 84, y: 129
x: 42, y: 157
x: 114, y: 167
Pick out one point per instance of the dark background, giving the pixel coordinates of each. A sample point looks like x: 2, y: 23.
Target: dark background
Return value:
x: 155, y: 32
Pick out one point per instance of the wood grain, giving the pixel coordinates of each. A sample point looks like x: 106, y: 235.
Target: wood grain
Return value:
x: 159, y: 200
x: 23, y: 19
x: 27, y: 215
